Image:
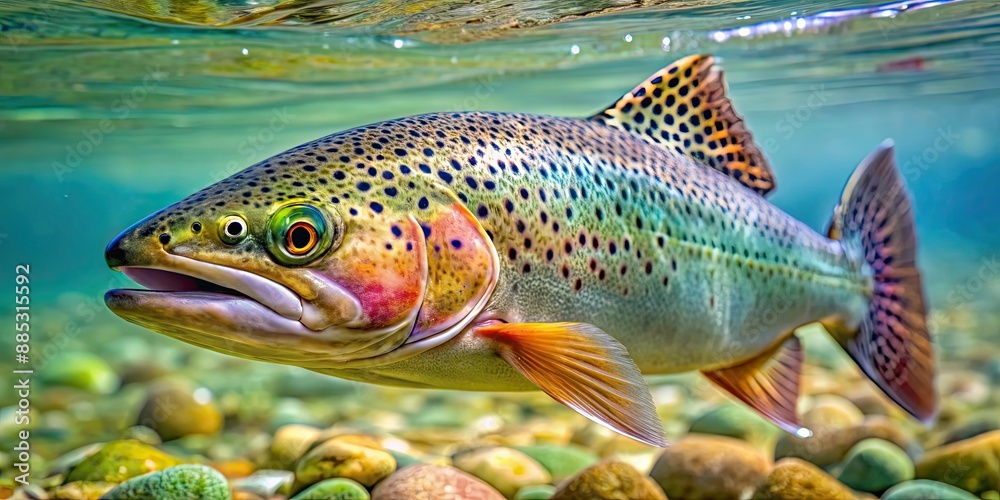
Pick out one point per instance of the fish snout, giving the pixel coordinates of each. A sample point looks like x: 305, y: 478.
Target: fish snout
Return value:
x: 115, y: 254
x: 137, y: 245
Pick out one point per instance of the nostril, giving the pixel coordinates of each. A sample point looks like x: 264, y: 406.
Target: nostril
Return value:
x: 164, y: 238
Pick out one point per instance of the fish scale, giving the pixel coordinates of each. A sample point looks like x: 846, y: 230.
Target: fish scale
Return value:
x: 510, y: 251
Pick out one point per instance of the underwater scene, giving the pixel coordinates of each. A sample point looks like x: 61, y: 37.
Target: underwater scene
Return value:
x: 365, y: 249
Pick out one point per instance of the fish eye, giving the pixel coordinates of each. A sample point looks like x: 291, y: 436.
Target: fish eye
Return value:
x: 232, y: 229
x: 298, y: 234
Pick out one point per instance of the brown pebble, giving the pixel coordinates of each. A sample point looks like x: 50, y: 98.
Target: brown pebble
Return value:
x: 609, y: 480
x: 710, y: 467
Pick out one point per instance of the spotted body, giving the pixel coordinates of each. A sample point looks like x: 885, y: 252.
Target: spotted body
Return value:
x: 646, y: 224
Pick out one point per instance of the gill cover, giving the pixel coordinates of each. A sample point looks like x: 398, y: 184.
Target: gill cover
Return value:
x: 382, y: 263
x: 462, y: 265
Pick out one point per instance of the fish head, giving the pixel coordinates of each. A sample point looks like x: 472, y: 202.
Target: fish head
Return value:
x: 316, y: 265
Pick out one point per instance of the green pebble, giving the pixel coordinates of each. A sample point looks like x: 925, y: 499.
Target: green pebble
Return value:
x: 561, y: 461
x: 118, y: 461
x: 874, y: 465
x: 535, y: 492
x: 925, y: 489
x: 81, y: 370
x: 180, y: 482
x: 736, y: 422
x: 402, y: 459
x: 334, y: 489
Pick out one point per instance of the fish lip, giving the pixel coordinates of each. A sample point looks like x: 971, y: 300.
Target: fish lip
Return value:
x: 235, y: 325
x: 232, y: 324
x: 276, y: 297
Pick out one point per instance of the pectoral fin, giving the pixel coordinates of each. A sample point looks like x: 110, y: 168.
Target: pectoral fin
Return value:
x: 768, y: 383
x: 584, y: 368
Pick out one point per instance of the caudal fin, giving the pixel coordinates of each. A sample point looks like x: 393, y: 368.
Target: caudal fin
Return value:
x: 874, y: 221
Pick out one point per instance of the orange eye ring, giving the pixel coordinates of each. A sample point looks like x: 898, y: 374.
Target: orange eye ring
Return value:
x: 301, y: 238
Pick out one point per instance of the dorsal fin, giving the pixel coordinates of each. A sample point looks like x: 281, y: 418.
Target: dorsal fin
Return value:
x: 684, y: 108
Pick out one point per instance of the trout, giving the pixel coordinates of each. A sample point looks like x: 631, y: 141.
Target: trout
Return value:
x: 506, y: 252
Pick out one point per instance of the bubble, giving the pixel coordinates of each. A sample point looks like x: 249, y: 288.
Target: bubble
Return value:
x: 202, y: 396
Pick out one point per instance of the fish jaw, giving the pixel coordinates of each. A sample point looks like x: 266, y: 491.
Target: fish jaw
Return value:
x: 307, y: 319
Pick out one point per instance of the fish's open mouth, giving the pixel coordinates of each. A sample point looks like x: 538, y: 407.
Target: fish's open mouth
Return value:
x: 159, y: 280
x: 177, y: 275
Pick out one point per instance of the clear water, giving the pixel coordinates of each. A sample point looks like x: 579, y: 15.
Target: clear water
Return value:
x: 110, y: 110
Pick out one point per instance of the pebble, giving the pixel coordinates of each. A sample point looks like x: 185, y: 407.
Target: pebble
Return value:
x: 334, y: 489
x: 827, y: 447
x: 118, y: 461
x: 506, y: 469
x: 594, y: 437
x: 175, y: 409
x: 182, y: 481
x: 831, y: 412
x: 710, y: 467
x: 609, y: 480
x: 738, y: 422
x: 341, y: 458
x: 426, y: 481
x: 80, y: 490
x: 67, y: 461
x: 794, y: 479
x: 535, y: 492
x: 402, y: 459
x: 561, y: 461
x: 81, y: 370
x: 265, y: 483
x: 925, y: 489
x: 290, y: 443
x: 972, y: 464
x: 874, y: 465
x: 973, y: 426
x: 143, y: 434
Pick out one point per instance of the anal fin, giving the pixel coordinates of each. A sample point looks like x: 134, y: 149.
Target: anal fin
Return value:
x: 768, y: 383
x: 584, y: 368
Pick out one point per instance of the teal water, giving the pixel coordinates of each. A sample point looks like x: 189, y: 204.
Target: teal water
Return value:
x: 110, y: 110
